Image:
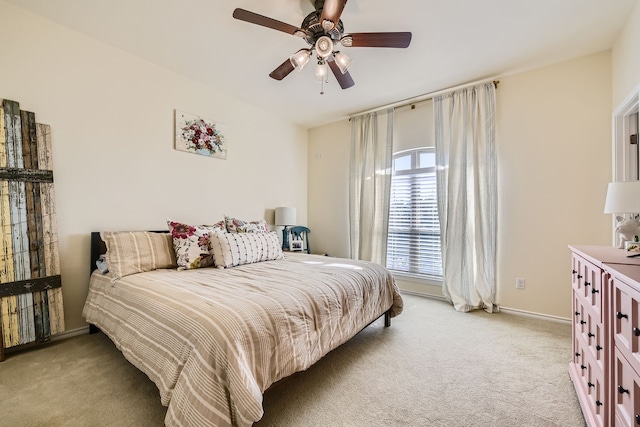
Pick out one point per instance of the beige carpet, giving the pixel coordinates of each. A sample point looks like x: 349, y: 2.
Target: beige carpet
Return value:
x: 433, y: 367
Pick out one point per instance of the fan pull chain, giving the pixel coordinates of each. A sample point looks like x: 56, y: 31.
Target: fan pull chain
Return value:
x: 325, y: 78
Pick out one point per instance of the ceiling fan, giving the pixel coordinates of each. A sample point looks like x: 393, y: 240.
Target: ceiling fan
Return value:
x: 323, y: 31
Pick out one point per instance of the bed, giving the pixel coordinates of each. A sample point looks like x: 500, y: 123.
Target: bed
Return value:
x: 214, y: 339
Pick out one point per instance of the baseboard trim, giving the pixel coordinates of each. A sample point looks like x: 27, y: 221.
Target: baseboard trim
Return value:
x: 500, y: 308
x: 70, y: 334
x: 536, y: 315
x: 420, y: 294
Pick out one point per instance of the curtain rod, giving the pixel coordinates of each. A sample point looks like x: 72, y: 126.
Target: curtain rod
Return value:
x: 423, y: 97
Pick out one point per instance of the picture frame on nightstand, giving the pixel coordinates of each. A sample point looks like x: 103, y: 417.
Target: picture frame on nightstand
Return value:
x: 296, y: 245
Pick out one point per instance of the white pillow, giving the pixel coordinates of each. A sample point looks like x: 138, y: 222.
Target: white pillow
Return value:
x: 232, y: 249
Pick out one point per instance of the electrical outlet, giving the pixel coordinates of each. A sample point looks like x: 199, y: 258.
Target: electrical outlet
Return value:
x: 520, y: 283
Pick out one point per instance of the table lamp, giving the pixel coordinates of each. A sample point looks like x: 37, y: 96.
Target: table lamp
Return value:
x: 285, y: 217
x: 623, y: 197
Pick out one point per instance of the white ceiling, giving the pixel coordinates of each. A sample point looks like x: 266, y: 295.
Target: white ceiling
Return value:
x: 454, y: 42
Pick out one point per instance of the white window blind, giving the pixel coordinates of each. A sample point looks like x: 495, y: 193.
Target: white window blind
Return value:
x: 414, y: 231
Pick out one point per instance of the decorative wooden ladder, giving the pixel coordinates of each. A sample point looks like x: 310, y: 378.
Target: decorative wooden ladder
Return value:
x: 31, y: 307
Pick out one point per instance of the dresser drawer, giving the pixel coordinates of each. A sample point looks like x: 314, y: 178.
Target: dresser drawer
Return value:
x: 587, y: 283
x: 626, y: 392
x: 625, y: 318
x: 590, y: 331
x: 592, y: 387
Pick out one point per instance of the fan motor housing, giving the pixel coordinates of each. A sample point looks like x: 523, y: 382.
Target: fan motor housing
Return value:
x: 313, y: 28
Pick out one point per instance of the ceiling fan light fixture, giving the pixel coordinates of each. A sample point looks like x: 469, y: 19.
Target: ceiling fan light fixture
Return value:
x: 324, y: 46
x: 342, y: 61
x: 300, y: 58
x: 322, y: 30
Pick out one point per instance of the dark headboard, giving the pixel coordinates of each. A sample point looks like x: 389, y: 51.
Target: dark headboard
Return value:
x: 98, y: 247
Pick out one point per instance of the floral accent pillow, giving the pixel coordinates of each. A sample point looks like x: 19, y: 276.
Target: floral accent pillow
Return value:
x: 235, y: 225
x: 192, y: 243
x: 232, y: 249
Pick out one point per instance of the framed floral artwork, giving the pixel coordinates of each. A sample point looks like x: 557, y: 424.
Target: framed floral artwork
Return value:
x: 198, y: 135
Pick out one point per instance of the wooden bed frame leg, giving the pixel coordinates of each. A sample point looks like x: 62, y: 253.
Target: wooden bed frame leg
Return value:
x: 387, y: 319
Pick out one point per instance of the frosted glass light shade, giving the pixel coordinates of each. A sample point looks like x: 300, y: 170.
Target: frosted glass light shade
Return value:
x: 623, y: 197
x: 343, y: 62
x: 285, y: 216
x: 321, y: 73
x: 300, y: 59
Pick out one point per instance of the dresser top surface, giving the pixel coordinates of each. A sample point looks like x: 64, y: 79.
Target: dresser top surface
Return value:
x: 600, y: 255
x: 612, y: 259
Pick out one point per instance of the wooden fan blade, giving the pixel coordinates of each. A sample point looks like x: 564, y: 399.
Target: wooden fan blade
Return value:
x: 331, y: 11
x: 345, y: 79
x: 282, y: 71
x: 254, y: 18
x: 399, y: 39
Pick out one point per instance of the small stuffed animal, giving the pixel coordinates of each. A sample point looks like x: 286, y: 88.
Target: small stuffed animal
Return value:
x: 627, y: 229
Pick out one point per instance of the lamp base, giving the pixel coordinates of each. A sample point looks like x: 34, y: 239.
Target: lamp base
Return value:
x: 285, y: 238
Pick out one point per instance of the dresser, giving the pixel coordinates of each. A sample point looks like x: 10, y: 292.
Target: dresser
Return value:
x: 605, y: 366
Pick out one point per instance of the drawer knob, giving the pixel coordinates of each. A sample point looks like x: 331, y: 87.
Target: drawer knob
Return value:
x: 577, y: 354
x: 583, y: 367
x: 590, y: 335
x: 577, y: 313
x: 587, y: 284
x: 580, y: 276
x: 573, y: 272
x: 620, y: 315
x: 590, y: 384
x: 595, y: 291
x: 598, y: 403
x: 637, y: 419
x: 598, y: 347
x: 583, y: 322
x: 636, y: 332
x: 622, y: 390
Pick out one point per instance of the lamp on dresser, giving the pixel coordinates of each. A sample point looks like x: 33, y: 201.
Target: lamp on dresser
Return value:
x: 285, y: 217
x: 623, y: 197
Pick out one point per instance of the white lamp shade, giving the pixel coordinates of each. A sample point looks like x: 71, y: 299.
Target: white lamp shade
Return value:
x: 285, y: 216
x: 623, y: 197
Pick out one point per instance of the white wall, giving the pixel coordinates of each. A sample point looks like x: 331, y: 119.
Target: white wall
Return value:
x: 111, y: 116
x: 625, y: 59
x: 554, y: 156
x: 554, y: 161
x: 328, y: 188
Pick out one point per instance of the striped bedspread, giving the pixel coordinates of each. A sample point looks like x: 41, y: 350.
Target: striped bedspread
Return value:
x: 213, y: 340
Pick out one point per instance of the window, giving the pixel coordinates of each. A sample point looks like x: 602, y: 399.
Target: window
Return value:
x: 413, y: 246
